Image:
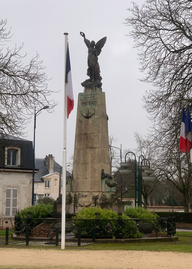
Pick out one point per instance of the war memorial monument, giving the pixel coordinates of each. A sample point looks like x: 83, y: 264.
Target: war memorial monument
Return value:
x: 91, y: 184
x: 91, y: 164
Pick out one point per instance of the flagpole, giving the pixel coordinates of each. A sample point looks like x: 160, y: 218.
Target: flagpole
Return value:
x: 64, y: 156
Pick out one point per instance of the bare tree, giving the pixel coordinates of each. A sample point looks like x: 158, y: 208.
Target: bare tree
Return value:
x: 115, y: 154
x: 170, y: 165
x: 146, y: 149
x: 166, y: 194
x: 175, y: 167
x: 162, y: 31
x: 21, y: 86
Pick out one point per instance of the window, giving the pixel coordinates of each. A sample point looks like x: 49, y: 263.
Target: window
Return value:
x: 12, y: 156
x: 47, y: 194
x: 47, y: 185
x: 11, y: 202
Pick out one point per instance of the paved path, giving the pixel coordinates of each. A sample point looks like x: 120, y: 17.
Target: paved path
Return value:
x: 105, y: 259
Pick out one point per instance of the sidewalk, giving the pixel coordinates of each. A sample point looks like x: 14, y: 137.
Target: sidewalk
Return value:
x: 183, y: 230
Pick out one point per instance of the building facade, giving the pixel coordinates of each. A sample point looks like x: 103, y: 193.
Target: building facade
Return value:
x: 16, y: 171
x: 48, y: 179
x: 16, y: 164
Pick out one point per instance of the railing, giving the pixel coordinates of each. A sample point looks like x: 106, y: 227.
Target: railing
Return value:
x: 50, y: 228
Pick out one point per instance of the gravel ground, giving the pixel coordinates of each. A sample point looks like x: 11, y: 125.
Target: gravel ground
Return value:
x: 74, y: 259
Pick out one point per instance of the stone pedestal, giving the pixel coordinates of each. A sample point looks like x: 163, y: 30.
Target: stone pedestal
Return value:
x: 91, y: 152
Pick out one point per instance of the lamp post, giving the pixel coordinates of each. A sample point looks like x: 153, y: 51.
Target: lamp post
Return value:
x: 126, y: 187
x: 135, y: 171
x: 142, y: 173
x: 146, y: 175
x: 33, y: 177
x: 124, y: 170
x: 137, y: 177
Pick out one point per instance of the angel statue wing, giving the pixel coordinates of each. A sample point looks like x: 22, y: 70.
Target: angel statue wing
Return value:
x: 100, y: 44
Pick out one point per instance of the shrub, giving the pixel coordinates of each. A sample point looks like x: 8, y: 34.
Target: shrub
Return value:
x: 37, y: 211
x: 89, y: 213
x: 85, y: 220
x: 140, y: 213
x: 46, y: 200
x: 31, y: 216
x: 148, y: 219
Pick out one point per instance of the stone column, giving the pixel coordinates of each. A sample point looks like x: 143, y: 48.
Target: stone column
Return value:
x: 91, y: 152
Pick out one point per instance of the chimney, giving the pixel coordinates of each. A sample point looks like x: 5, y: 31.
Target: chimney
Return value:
x: 50, y: 163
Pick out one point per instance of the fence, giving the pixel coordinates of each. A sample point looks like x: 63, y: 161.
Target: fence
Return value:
x: 50, y: 228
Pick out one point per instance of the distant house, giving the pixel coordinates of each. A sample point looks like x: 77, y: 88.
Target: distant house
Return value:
x: 16, y: 168
x: 16, y: 164
x: 48, y: 179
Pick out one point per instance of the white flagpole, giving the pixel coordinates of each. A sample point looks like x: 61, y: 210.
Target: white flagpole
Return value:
x: 64, y: 157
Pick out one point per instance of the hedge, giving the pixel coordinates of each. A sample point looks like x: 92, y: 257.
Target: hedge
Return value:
x: 179, y: 216
x: 85, y: 220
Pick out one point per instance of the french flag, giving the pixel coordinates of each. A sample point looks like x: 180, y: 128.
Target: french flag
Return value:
x: 185, y: 143
x: 188, y: 131
x: 68, y: 82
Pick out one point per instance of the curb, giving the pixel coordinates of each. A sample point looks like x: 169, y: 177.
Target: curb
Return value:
x: 105, y: 240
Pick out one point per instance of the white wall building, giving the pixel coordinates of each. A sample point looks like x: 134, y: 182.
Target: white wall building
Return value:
x: 15, y: 178
x: 48, y: 179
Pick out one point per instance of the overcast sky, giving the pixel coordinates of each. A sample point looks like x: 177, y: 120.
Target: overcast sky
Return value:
x: 40, y: 25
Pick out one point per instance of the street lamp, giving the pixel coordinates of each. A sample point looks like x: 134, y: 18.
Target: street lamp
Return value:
x: 142, y: 173
x: 127, y: 166
x: 33, y: 178
x: 146, y: 175
x: 124, y: 170
x: 121, y: 173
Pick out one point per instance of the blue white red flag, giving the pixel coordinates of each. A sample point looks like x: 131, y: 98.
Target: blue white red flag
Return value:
x: 183, y: 142
x: 68, y: 107
x: 68, y: 81
x: 188, y: 131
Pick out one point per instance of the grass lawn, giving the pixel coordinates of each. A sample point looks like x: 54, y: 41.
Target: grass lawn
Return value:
x: 176, y: 246
x: 184, y: 244
x: 3, y: 232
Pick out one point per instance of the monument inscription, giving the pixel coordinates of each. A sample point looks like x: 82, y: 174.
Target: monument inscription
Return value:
x: 88, y: 98
x: 87, y: 102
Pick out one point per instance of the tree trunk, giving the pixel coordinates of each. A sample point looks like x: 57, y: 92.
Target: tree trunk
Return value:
x: 145, y: 201
x: 186, y: 202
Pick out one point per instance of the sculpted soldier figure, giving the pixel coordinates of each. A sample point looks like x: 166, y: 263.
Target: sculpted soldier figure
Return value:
x: 93, y: 70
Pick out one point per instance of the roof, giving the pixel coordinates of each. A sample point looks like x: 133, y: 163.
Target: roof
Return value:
x: 26, y: 150
x: 41, y: 165
x: 11, y: 137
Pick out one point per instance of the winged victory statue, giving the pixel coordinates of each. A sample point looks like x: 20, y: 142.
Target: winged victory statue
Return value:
x: 93, y: 70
